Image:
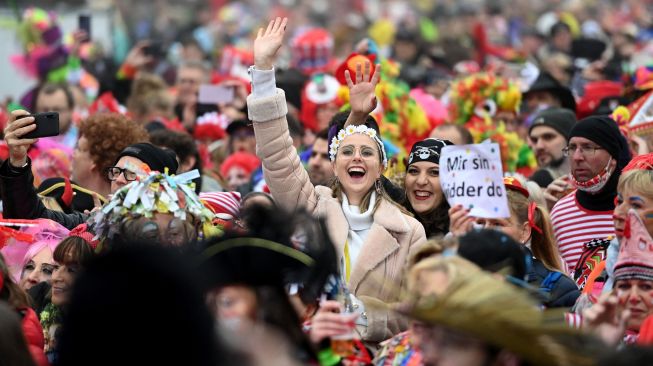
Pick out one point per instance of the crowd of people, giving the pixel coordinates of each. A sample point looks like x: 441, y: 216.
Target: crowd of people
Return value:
x: 264, y: 188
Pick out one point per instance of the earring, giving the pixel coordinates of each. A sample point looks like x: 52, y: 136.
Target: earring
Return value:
x: 378, y: 186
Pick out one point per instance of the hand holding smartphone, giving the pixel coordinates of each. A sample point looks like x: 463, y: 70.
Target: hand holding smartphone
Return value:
x: 84, y: 23
x: 47, y: 124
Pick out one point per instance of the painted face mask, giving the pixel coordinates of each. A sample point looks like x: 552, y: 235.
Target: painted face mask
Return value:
x: 596, y: 183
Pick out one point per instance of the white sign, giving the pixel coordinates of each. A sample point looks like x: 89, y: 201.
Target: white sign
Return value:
x: 472, y: 176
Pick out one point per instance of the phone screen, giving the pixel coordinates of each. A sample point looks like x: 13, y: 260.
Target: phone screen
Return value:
x: 215, y: 94
x: 85, y: 25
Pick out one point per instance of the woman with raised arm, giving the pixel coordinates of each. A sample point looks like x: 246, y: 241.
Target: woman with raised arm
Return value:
x: 374, y: 237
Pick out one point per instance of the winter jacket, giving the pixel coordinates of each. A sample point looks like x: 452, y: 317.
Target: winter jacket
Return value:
x: 34, y: 335
x: 20, y: 201
x: 562, y: 291
x: 378, y: 273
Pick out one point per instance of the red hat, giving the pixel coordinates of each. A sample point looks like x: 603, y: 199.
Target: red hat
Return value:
x: 106, y: 103
x: 640, y: 162
x: 595, y: 92
x: 210, y: 127
x: 244, y: 160
x: 235, y: 62
x: 350, y: 64
x: 322, y: 89
x: 222, y: 202
x: 641, y: 122
x: 312, y: 50
x: 515, y: 185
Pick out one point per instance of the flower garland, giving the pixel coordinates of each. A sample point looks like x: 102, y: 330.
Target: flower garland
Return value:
x: 350, y: 130
x: 49, y: 317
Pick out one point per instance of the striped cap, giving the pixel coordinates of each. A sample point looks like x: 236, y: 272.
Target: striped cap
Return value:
x: 635, y: 260
x: 222, y: 202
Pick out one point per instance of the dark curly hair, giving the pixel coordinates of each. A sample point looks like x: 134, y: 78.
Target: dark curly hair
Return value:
x: 108, y: 134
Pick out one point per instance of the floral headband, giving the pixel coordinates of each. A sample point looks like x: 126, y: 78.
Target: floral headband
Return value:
x: 350, y: 130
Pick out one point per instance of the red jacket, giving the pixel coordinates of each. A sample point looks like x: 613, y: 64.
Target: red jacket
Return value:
x: 34, y: 336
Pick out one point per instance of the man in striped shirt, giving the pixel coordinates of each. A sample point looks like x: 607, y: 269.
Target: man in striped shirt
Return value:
x: 597, y: 153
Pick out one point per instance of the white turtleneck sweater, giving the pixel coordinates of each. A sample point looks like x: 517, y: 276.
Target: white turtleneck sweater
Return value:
x: 359, y: 227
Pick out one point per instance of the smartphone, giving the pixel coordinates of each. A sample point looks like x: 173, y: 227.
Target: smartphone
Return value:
x: 154, y: 49
x: 84, y: 23
x: 215, y: 94
x: 47, y: 124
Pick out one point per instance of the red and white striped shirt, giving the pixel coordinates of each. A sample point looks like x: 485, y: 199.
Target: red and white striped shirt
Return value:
x: 574, y: 226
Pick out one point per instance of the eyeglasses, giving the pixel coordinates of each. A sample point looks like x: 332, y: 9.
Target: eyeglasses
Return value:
x: 585, y: 150
x: 114, y: 172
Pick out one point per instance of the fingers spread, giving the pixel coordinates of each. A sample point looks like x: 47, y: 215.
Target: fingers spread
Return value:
x: 359, y: 73
x: 367, y: 71
x: 377, y: 74
x: 269, y: 28
x: 350, y: 83
x: 284, y: 22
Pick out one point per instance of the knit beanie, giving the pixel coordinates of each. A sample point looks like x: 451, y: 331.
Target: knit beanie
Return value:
x: 560, y: 119
x: 155, y: 157
x: 604, y: 131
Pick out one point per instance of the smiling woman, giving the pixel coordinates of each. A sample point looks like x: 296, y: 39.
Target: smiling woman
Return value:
x: 424, y: 196
x: 373, y: 236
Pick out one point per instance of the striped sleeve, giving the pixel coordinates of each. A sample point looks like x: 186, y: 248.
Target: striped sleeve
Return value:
x: 573, y: 227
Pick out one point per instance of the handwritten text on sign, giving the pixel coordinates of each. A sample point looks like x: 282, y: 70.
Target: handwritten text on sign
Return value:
x: 472, y: 176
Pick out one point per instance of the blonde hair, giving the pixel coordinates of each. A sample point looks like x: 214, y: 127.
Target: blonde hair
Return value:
x: 452, y: 266
x: 51, y: 203
x: 365, y: 202
x: 149, y: 94
x: 543, y: 245
x: 637, y: 180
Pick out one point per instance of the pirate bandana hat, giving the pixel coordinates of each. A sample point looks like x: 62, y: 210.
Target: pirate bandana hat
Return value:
x: 427, y: 150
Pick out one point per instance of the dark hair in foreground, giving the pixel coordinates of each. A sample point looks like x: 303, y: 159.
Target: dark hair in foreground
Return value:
x: 259, y: 260
x: 139, y: 303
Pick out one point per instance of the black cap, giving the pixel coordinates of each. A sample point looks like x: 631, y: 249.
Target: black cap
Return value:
x: 239, y: 124
x: 604, y: 132
x: 547, y: 83
x: 493, y: 251
x: 560, y: 119
x: 155, y: 157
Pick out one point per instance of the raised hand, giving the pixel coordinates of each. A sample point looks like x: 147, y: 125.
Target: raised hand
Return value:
x: 19, y: 124
x: 605, y: 319
x: 362, y: 97
x: 268, y: 43
x: 136, y: 57
x: 460, y: 223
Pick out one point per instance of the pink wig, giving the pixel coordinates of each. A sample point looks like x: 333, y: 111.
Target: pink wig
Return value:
x: 46, y: 234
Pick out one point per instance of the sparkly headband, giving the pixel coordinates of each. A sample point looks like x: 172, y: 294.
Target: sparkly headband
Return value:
x: 350, y: 130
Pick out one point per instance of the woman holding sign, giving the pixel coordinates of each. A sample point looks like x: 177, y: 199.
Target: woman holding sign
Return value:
x: 530, y: 225
x: 374, y: 237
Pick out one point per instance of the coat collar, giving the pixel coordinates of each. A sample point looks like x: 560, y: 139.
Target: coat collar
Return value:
x: 380, y: 242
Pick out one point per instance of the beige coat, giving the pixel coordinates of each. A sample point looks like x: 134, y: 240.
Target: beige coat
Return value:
x: 378, y: 273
